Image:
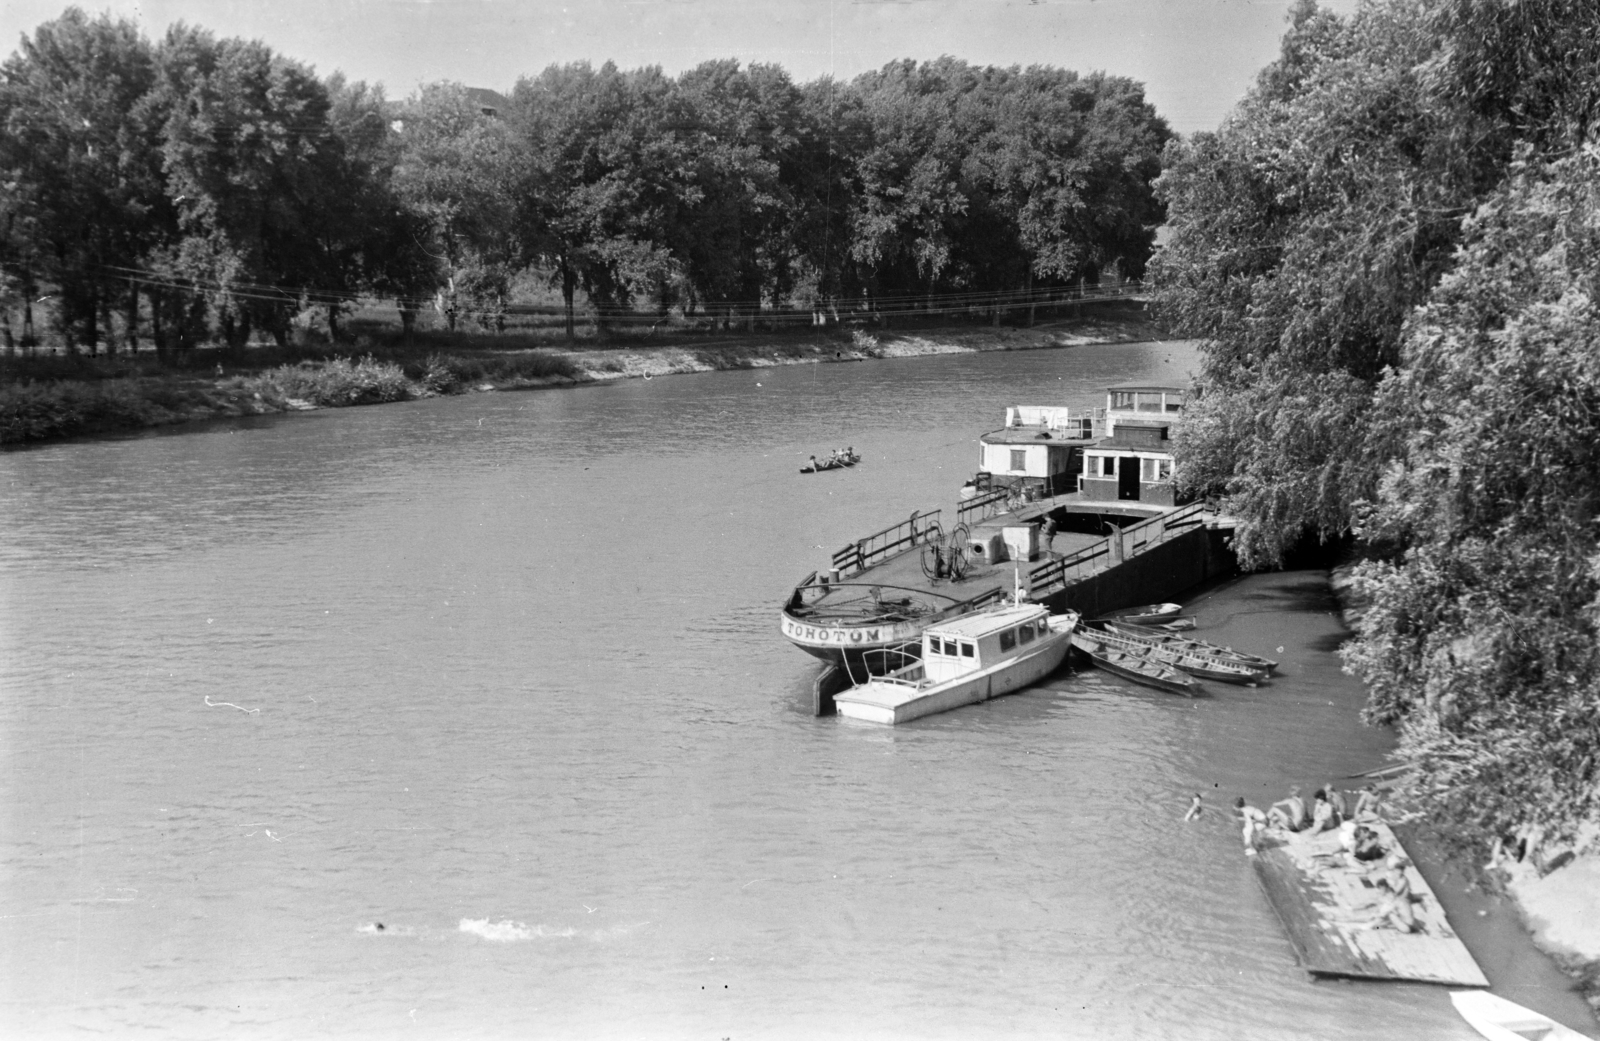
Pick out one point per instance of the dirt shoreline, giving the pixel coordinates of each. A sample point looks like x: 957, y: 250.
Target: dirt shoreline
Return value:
x: 170, y: 399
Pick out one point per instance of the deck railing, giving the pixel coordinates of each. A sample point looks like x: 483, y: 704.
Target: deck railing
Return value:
x: 983, y: 505
x: 1136, y: 538
x: 881, y: 545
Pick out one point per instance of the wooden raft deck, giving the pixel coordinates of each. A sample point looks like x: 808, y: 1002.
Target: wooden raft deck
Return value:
x: 1323, y: 905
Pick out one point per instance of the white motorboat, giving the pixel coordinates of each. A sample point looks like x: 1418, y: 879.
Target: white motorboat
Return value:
x: 1500, y: 1020
x: 966, y: 660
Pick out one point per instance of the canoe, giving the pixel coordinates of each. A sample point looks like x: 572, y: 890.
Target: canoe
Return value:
x: 1500, y: 1020
x: 1140, y: 668
x: 1149, y: 614
x: 1189, y: 655
x: 1195, y: 646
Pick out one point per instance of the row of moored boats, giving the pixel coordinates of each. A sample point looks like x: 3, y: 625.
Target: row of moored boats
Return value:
x: 1012, y: 645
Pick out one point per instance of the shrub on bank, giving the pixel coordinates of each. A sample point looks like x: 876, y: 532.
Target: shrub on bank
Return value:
x: 341, y: 381
x: 36, y: 411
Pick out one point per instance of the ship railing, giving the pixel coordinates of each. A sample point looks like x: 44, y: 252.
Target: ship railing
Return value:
x: 984, y: 505
x: 1136, y: 538
x: 891, y: 541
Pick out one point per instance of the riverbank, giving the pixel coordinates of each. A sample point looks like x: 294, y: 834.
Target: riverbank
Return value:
x: 65, y: 400
x: 1554, y: 894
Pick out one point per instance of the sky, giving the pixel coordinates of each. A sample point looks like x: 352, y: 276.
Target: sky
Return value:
x: 1195, y: 57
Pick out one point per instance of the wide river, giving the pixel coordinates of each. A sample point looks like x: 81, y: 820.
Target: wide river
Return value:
x: 501, y: 674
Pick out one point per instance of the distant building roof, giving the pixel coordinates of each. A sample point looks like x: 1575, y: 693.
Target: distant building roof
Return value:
x: 1148, y: 388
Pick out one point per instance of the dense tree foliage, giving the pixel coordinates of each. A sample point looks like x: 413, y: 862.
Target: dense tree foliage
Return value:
x: 1389, y: 251
x: 210, y: 189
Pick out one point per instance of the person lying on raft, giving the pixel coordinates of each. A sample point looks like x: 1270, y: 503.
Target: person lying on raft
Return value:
x: 1394, y: 909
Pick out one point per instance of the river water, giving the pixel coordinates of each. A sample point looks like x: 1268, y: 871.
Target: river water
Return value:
x: 502, y: 673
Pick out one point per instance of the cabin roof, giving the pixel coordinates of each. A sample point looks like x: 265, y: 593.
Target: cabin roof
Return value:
x: 1021, y: 435
x: 973, y: 626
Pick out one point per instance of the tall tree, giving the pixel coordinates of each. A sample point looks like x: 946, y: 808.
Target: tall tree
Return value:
x: 83, y: 181
x: 601, y: 174
x: 454, y: 173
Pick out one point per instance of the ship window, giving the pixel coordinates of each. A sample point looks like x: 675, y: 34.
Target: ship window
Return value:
x: 967, y: 650
x: 1164, y: 470
x: 1026, y: 633
x: 1019, y: 459
x: 1008, y: 639
x: 1148, y: 466
x: 1108, y: 465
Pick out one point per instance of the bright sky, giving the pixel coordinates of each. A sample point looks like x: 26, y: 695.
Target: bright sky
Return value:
x: 1196, y: 57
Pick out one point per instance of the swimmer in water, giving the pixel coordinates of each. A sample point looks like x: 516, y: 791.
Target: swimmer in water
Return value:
x: 1194, y: 809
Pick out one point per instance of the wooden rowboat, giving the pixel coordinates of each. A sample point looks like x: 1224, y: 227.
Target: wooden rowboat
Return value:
x: 1149, y: 614
x: 1140, y: 668
x: 1194, y: 660
x: 1500, y: 1020
x: 1194, y: 646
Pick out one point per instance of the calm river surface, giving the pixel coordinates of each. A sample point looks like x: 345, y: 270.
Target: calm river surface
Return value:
x: 502, y: 673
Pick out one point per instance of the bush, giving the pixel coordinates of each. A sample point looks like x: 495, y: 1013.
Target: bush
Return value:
x: 341, y: 381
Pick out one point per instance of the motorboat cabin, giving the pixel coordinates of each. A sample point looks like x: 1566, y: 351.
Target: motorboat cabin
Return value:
x: 1134, y: 461
x: 966, y: 660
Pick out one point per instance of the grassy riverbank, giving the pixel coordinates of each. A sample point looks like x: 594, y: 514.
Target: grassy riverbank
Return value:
x: 54, y: 397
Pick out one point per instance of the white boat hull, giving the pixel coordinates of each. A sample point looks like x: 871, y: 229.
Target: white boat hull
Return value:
x: 1500, y: 1020
x: 885, y: 701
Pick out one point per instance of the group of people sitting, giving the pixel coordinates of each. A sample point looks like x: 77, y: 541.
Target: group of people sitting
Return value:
x: 840, y: 457
x: 1359, y: 845
x: 1328, y: 811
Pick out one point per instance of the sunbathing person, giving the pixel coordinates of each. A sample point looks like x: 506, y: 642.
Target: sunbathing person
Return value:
x: 1368, y: 802
x: 1290, y: 813
x: 1322, y: 815
x: 1394, y: 910
x: 1255, y: 822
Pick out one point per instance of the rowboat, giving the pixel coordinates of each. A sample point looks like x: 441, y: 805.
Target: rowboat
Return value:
x: 1500, y: 1020
x: 1149, y: 614
x: 965, y: 660
x: 1195, y: 660
x: 816, y: 466
x: 1139, y: 667
x: 1194, y: 646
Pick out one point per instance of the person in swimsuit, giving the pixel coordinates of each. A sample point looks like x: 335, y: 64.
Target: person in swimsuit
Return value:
x: 1288, y: 814
x: 1255, y: 822
x: 1194, y: 809
x: 1367, y: 803
x: 1322, y: 816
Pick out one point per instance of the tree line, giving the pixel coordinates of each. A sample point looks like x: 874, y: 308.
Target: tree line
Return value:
x: 196, y: 189
x: 1391, y: 251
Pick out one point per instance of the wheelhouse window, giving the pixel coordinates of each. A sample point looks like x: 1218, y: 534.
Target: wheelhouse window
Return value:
x: 1019, y: 459
x: 1008, y: 639
x: 1025, y: 634
x: 968, y: 650
x: 1108, y: 465
x: 1164, y: 470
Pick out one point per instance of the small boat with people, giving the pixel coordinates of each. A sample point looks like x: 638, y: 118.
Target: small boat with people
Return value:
x: 1191, y: 659
x: 1192, y: 645
x: 1500, y: 1020
x: 1140, y: 666
x: 966, y: 660
x: 841, y: 457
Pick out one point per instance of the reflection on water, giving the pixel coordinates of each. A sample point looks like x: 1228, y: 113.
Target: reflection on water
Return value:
x: 502, y: 674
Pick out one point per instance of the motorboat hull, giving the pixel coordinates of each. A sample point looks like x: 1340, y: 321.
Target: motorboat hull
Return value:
x: 890, y: 702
